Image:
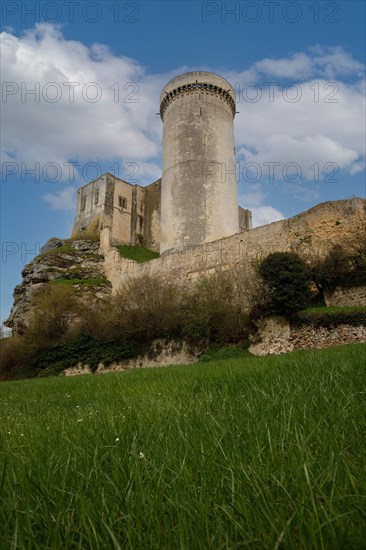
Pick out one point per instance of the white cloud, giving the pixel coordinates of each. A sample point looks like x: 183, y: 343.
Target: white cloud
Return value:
x: 261, y: 215
x: 325, y: 125
x: 296, y: 66
x: 62, y: 200
x: 320, y: 61
x: 290, y: 158
x: 254, y: 198
x: 121, y: 124
x: 305, y: 132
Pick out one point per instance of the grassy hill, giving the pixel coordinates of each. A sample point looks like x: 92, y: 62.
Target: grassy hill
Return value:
x: 228, y: 453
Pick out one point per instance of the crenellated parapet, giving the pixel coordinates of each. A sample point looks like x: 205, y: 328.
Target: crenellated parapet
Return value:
x: 222, y: 94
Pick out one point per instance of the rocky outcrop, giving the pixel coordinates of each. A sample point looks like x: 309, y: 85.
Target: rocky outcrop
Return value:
x: 77, y: 262
x: 273, y: 337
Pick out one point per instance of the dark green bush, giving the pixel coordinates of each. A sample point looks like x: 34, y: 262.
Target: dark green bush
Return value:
x: 332, y: 270
x: 288, y: 280
x: 85, y: 349
x: 145, y: 308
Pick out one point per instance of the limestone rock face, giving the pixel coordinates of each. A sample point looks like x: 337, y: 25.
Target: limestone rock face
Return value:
x: 276, y: 336
x: 51, y: 244
x: 79, y: 261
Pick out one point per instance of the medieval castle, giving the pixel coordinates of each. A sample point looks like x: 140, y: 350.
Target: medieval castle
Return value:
x: 195, y: 201
x: 191, y: 215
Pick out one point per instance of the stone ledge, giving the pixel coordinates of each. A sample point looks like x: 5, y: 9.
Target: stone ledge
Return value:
x: 277, y: 337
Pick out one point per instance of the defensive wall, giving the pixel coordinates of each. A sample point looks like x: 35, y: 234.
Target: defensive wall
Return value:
x: 311, y: 233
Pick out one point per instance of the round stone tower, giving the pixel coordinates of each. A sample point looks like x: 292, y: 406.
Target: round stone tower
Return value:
x: 199, y: 200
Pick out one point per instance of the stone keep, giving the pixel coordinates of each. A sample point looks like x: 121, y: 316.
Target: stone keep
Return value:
x: 196, y: 200
x: 199, y: 202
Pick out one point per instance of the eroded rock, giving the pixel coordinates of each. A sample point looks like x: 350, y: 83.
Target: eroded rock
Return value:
x: 81, y: 261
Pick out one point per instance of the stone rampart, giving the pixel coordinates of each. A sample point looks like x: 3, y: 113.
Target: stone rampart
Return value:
x: 310, y: 234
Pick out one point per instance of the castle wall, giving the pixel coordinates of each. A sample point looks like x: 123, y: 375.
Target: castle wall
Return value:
x: 310, y: 234
x: 245, y: 219
x: 89, y: 216
x: 122, y: 213
x: 152, y: 203
x: 138, y: 219
x: 120, y: 207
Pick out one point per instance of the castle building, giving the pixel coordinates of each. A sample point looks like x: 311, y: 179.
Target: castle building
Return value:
x: 195, y: 201
x: 131, y: 212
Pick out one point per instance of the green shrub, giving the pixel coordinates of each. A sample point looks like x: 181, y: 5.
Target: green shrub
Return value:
x: 332, y: 270
x: 344, y: 265
x: 150, y: 307
x: 14, y: 358
x: 288, y: 281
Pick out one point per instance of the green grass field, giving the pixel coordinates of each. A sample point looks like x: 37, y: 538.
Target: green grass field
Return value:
x: 233, y: 453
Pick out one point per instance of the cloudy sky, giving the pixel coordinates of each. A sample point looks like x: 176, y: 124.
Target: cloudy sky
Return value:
x: 80, y: 93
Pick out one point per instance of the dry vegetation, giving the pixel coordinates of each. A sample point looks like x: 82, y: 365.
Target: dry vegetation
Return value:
x: 217, y: 309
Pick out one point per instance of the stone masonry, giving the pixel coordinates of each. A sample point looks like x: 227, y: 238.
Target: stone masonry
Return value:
x: 310, y: 234
x: 196, y: 200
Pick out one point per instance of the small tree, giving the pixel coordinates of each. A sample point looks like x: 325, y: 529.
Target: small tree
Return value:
x: 217, y: 308
x: 147, y: 307
x: 342, y: 266
x: 12, y: 356
x: 209, y: 313
x: 55, y: 311
x: 288, y: 280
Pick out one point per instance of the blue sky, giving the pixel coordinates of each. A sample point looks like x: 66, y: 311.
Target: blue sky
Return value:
x: 97, y: 69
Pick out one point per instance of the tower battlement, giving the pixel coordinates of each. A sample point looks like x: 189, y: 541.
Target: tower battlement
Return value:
x: 208, y: 84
